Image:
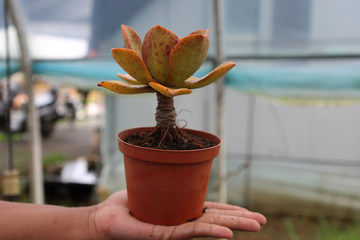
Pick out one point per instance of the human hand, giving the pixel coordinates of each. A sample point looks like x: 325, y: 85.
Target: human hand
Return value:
x: 112, y: 220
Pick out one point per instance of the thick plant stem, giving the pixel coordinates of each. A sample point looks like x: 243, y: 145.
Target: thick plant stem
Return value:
x: 165, y: 112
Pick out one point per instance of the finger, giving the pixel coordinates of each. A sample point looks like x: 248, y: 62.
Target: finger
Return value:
x: 197, y: 229
x: 119, y: 197
x: 223, y: 206
x: 232, y: 222
x: 246, y: 214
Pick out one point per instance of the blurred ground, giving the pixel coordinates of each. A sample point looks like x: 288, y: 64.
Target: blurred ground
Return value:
x: 70, y: 140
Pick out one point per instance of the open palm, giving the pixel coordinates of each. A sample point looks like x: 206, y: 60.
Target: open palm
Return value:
x: 113, y: 221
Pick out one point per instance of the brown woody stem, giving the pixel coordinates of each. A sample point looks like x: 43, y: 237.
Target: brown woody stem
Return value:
x: 165, y: 112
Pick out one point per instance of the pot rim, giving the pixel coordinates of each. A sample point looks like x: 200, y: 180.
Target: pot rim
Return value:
x: 193, y: 131
x: 169, y: 156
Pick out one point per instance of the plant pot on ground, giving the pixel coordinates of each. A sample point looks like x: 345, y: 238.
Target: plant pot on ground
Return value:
x: 167, y: 168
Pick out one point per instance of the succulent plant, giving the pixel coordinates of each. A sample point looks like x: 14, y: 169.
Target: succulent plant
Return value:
x: 163, y: 63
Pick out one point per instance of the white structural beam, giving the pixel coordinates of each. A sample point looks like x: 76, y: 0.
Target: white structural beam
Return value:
x: 36, y: 178
x: 220, y: 109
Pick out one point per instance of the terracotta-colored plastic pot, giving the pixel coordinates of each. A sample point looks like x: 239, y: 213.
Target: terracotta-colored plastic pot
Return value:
x: 167, y: 187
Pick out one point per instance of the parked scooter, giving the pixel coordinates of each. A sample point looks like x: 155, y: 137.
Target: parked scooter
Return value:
x: 67, y: 108
x: 45, y: 102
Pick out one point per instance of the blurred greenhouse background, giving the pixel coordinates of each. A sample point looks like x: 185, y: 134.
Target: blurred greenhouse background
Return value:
x: 292, y: 102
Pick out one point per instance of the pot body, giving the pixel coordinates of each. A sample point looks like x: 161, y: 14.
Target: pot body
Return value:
x: 167, y: 187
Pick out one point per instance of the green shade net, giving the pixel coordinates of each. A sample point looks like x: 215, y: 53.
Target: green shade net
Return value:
x: 305, y: 85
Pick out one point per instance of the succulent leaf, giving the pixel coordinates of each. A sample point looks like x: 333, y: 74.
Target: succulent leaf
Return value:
x: 125, y: 88
x: 169, y: 92
x: 186, y: 58
x: 131, y: 39
x: 129, y: 79
x: 156, y: 48
x: 204, y: 32
x: 192, y: 78
x: 132, y: 63
x: 211, y: 77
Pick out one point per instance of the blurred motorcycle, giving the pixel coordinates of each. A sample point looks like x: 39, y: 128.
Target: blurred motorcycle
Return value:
x: 45, y: 102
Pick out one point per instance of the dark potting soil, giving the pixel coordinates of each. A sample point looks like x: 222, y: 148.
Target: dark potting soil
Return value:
x: 169, y: 139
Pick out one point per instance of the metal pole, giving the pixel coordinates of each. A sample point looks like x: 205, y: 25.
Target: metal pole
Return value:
x: 36, y: 187
x: 10, y: 182
x: 249, y: 150
x: 220, y: 111
x: 8, y: 75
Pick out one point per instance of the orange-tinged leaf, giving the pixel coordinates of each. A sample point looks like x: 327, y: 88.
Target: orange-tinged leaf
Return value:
x: 186, y: 58
x: 211, y: 77
x: 132, y: 63
x: 125, y: 88
x: 156, y: 48
x: 131, y: 39
x: 129, y: 79
x: 192, y: 78
x: 169, y: 92
x: 202, y: 32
